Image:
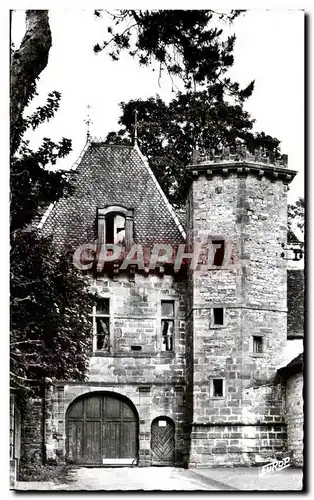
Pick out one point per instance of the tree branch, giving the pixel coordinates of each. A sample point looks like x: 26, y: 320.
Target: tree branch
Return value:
x: 26, y: 342
x: 24, y: 378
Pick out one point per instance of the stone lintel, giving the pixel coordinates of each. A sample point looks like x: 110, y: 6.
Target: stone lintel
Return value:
x: 144, y: 388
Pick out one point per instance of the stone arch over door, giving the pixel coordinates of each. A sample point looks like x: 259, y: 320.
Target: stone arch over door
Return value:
x: 102, y: 429
x: 163, y: 441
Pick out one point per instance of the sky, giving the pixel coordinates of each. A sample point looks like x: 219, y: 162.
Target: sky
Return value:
x: 269, y: 49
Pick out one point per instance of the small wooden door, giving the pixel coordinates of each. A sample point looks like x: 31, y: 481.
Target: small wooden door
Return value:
x: 162, y: 441
x: 102, y: 429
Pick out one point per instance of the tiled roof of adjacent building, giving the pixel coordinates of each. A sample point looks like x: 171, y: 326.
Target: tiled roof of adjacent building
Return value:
x: 295, y: 366
x: 113, y: 175
x: 292, y: 238
x: 295, y: 303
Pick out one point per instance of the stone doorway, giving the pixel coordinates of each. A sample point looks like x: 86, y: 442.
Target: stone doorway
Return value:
x: 102, y: 429
x: 163, y: 442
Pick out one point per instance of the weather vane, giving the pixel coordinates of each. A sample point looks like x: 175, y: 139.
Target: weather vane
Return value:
x: 88, y: 121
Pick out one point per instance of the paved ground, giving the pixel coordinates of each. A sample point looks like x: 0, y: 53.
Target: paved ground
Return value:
x: 125, y: 478
x: 249, y: 478
x: 170, y: 478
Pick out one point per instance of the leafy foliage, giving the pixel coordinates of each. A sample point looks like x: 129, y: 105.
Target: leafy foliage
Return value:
x: 50, y: 301
x: 185, y: 43
x: 296, y: 214
x: 168, y: 134
x: 30, y: 470
x: 50, y: 325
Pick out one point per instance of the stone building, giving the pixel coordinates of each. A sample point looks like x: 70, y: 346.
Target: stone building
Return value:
x: 184, y: 356
x: 291, y: 376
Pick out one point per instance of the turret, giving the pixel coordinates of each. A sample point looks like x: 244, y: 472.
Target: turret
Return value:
x: 237, y: 313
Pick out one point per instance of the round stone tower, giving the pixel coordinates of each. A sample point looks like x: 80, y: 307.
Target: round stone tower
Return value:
x: 237, y: 311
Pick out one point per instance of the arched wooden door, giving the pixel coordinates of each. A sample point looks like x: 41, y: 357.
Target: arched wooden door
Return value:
x: 163, y: 441
x: 102, y: 429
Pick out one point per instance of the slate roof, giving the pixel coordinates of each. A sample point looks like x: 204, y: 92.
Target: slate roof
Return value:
x: 295, y: 303
x: 292, y: 238
x: 113, y: 175
x: 295, y: 366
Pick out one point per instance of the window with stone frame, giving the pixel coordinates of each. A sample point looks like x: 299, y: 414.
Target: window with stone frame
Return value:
x: 219, y: 253
x: 167, y: 325
x: 217, y: 388
x: 257, y: 344
x: 218, y: 316
x: 101, y: 325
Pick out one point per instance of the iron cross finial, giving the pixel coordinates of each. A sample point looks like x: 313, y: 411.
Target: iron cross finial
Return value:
x: 88, y: 121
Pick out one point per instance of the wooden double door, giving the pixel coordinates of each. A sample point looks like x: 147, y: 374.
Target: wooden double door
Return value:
x: 102, y: 429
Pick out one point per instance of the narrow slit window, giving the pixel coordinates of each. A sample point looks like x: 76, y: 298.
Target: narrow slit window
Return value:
x: 218, y: 388
x: 218, y: 316
x: 167, y: 324
x: 257, y: 344
x: 219, y: 249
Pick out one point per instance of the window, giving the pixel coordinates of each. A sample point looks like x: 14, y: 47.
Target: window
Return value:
x: 115, y: 225
x: 217, y: 389
x: 115, y: 229
x: 136, y: 347
x: 257, y: 344
x: 101, y: 325
x: 167, y: 324
x: 219, y: 246
x: 218, y: 316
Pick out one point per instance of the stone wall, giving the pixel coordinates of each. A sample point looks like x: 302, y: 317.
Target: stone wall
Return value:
x: 32, y: 432
x: 136, y: 312
x: 153, y: 380
x: 232, y: 445
x: 294, y: 417
x: 15, y: 440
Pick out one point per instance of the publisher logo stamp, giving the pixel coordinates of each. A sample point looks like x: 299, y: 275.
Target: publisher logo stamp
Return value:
x: 274, y: 466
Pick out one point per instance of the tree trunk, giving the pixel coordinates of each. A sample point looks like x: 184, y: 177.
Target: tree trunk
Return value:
x: 26, y: 65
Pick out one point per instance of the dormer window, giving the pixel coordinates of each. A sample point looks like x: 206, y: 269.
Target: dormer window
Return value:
x: 115, y: 226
